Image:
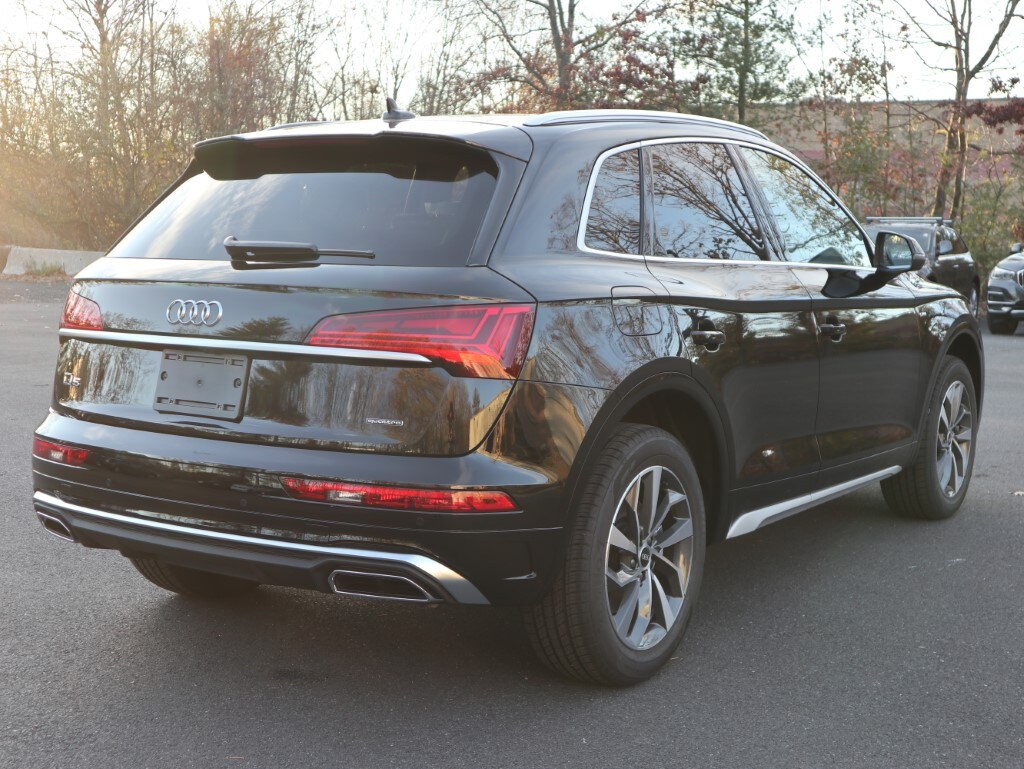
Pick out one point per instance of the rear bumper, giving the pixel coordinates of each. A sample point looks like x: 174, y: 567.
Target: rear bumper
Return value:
x: 219, y: 506
x: 268, y: 561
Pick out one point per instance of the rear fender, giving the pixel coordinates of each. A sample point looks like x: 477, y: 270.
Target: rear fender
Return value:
x: 664, y: 375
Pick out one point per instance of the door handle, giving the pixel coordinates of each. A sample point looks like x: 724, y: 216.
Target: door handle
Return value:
x: 708, y: 338
x: 833, y: 329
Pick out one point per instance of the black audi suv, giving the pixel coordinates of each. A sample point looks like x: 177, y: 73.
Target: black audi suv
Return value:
x: 534, y: 360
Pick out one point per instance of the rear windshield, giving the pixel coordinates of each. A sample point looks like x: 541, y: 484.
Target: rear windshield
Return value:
x: 409, y: 202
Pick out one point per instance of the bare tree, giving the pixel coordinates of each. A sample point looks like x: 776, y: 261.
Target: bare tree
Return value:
x: 959, y: 44
x: 445, y: 84
x: 548, y: 41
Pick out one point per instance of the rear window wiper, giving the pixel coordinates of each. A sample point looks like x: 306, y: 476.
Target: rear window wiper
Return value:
x: 279, y: 251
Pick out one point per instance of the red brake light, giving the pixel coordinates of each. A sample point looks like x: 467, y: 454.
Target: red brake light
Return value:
x: 80, y: 312
x: 55, y: 452
x: 487, y: 341
x: 396, y: 498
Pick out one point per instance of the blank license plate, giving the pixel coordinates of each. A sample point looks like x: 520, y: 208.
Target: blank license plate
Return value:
x: 201, y: 384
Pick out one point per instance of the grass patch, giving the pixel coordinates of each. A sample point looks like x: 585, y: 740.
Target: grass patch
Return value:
x: 45, y: 270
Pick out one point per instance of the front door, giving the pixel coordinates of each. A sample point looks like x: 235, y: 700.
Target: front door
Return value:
x: 869, y: 347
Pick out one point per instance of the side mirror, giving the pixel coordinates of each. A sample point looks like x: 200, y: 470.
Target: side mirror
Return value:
x: 1016, y: 248
x: 945, y: 247
x: 895, y: 253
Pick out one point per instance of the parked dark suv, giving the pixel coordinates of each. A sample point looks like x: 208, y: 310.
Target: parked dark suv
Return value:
x: 536, y: 360
x: 948, y: 259
x: 1005, y: 293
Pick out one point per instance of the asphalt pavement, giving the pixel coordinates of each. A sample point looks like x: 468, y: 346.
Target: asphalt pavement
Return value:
x: 841, y: 637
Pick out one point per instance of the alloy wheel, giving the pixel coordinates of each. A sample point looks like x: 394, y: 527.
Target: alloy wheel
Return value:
x: 648, y: 558
x: 955, y: 433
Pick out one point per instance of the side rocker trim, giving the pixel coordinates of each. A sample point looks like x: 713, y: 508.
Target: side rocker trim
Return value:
x: 755, y: 519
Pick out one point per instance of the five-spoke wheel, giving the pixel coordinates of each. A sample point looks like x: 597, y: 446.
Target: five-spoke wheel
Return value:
x: 620, y: 606
x: 935, y: 484
x: 953, y: 444
x: 648, y: 557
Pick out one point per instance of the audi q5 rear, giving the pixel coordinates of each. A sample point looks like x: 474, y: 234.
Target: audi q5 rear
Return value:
x: 534, y: 361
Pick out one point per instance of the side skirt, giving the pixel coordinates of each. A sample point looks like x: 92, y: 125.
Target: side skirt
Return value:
x: 755, y: 519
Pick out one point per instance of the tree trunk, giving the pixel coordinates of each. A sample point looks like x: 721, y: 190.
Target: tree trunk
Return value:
x: 954, y: 153
x: 744, y: 73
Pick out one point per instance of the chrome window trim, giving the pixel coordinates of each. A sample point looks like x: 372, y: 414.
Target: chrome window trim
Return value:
x: 581, y: 232
x: 755, y: 519
x: 458, y: 586
x: 163, y: 341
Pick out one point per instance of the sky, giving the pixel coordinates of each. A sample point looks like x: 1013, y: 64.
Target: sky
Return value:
x: 911, y: 78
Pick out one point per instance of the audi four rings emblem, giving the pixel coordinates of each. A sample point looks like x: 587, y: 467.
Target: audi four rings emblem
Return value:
x: 196, y: 312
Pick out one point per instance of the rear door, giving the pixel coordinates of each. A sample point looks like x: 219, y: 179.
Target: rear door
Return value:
x: 869, y: 345
x: 966, y: 270
x: 747, y: 321
x: 950, y: 265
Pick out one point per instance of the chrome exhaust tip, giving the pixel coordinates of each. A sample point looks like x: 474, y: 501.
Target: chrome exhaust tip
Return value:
x: 55, y: 526
x: 390, y: 587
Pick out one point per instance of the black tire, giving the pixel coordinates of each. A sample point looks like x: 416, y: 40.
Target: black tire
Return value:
x: 918, y: 491
x: 1001, y: 325
x: 191, y: 582
x: 572, y: 629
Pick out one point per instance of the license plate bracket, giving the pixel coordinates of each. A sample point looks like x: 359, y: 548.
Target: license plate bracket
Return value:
x: 200, y: 383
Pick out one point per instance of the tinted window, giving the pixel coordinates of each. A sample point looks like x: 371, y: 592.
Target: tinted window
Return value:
x: 614, y: 220
x: 814, y: 229
x: 924, y: 238
x: 413, y: 203
x: 700, y: 207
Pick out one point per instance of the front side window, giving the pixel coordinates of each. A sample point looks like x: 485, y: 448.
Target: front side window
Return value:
x: 701, y: 210
x: 613, y: 223
x: 813, y: 227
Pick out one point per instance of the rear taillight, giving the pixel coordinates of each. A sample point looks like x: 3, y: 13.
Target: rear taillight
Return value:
x: 80, y: 312
x: 487, y: 341
x: 56, y: 452
x: 398, y: 498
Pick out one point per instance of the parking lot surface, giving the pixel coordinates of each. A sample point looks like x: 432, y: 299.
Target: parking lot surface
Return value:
x: 841, y: 637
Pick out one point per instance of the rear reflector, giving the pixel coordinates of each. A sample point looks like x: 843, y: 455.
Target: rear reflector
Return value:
x: 55, y: 452
x: 488, y: 341
x: 80, y: 312
x: 395, y: 498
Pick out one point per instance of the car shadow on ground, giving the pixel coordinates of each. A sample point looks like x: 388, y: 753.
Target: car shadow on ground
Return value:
x: 284, y: 637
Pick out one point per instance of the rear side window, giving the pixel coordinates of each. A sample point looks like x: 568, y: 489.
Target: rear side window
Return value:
x: 410, y: 202
x: 700, y: 207
x: 613, y: 223
x: 813, y: 227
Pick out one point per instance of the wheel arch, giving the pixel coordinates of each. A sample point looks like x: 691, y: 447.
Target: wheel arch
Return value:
x: 666, y: 394
x: 963, y: 342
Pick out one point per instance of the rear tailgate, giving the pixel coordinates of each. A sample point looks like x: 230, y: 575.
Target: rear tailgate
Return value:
x: 204, y: 319
x: 251, y: 376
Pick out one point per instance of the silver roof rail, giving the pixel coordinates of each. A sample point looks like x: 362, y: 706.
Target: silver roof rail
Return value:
x: 633, y: 115
x: 911, y: 219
